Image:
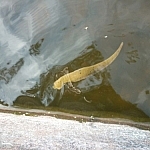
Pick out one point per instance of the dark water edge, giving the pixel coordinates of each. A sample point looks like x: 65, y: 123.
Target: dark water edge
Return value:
x: 105, y: 102
x: 80, y: 107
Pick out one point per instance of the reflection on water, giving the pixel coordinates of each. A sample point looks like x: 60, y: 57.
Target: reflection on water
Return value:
x: 34, y: 49
x: 132, y: 56
x: 7, y: 74
x: 38, y: 39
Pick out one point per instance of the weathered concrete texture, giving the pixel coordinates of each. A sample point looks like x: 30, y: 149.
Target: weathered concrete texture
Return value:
x: 45, y: 132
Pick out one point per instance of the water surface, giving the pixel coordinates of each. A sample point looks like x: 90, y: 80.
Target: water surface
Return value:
x: 42, y: 37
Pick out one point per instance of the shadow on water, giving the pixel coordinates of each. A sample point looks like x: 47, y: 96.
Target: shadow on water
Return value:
x: 97, y: 94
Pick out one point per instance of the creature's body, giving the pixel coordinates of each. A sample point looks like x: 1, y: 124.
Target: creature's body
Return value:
x: 84, y: 72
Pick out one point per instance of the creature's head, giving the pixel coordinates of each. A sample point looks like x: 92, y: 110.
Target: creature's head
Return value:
x: 58, y: 84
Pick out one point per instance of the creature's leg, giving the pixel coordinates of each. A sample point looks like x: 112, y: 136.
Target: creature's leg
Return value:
x: 70, y: 86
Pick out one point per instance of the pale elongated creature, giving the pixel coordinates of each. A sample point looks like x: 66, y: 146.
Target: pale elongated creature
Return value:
x: 84, y: 72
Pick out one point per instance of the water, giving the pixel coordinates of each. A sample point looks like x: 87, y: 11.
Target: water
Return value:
x: 39, y: 39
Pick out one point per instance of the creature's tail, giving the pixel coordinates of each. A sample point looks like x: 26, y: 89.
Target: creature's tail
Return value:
x: 108, y: 61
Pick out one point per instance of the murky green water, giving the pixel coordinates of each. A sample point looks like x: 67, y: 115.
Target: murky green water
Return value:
x: 41, y: 38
